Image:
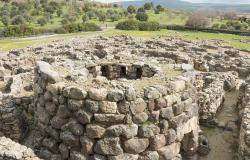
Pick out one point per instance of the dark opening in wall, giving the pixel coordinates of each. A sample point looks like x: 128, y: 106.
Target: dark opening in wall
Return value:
x: 138, y: 73
x: 105, y: 71
x: 123, y: 71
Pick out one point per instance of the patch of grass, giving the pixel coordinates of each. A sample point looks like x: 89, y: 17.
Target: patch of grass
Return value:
x: 233, y: 40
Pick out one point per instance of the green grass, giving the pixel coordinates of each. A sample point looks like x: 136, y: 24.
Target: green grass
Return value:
x: 233, y: 40
x: 168, y: 18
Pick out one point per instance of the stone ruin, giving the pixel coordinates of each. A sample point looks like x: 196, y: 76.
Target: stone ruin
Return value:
x: 118, y: 98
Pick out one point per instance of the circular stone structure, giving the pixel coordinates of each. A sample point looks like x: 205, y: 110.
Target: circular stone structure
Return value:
x: 120, y: 111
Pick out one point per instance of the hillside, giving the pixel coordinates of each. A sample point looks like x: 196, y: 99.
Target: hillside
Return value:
x: 177, y: 4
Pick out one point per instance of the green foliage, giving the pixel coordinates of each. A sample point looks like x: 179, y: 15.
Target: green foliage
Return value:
x: 102, y: 17
x: 78, y: 27
x: 141, y: 16
x: 21, y: 30
x: 115, y: 17
x: 131, y: 9
x: 148, y: 6
x: 137, y: 25
x: 141, y: 10
x: 149, y: 26
x: 216, y: 25
x: 5, y: 20
x: 42, y: 21
x: 18, y: 20
x: 85, y: 18
x: 128, y: 25
x: 160, y: 8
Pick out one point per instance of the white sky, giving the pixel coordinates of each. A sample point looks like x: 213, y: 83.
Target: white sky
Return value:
x: 197, y: 1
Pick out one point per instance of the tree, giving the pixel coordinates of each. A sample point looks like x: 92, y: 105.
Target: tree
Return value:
x: 157, y: 11
x: 197, y: 20
x: 131, y: 9
x: 159, y: 8
x: 141, y: 16
x: 141, y: 10
x: 59, y: 12
x: 148, y: 6
x: 85, y: 18
x: 216, y: 26
x: 102, y: 17
x: 18, y: 20
x: 115, y: 5
x: 42, y: 21
x: 115, y: 17
x: 5, y: 20
x: 65, y: 21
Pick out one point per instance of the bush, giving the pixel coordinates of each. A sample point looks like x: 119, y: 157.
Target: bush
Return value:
x: 18, y: 20
x: 42, y: 21
x: 141, y: 10
x: 141, y: 16
x: 148, y: 6
x: 128, y: 25
x: 137, y: 25
x: 131, y: 9
x: 149, y: 26
x: 78, y: 27
x: 21, y: 30
x: 89, y: 27
x: 5, y: 20
x: 216, y: 26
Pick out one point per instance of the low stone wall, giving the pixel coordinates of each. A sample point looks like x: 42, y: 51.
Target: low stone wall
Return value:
x: 212, y: 91
x: 10, y: 150
x: 244, y: 141
x: 114, y: 123
x: 16, y: 117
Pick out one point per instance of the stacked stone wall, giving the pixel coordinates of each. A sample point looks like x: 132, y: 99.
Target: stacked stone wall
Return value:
x: 244, y: 141
x: 111, y: 123
x: 16, y: 117
x: 213, y: 87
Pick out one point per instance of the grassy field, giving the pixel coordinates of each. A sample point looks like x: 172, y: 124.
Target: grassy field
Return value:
x: 233, y: 40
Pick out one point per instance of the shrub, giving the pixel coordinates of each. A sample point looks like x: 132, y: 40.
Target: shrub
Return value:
x: 89, y: 27
x: 115, y: 17
x: 157, y: 11
x: 131, y: 9
x: 78, y: 27
x: 216, y: 26
x: 148, y: 6
x: 21, y: 30
x: 149, y: 26
x: 223, y: 26
x: 5, y: 20
x: 85, y: 18
x: 141, y: 16
x: 159, y: 8
x: 141, y: 10
x: 128, y: 25
x: 42, y: 21
x: 137, y: 25
x: 18, y: 20
x: 102, y: 17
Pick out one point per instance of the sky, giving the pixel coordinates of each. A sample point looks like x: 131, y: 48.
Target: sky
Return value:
x: 200, y: 1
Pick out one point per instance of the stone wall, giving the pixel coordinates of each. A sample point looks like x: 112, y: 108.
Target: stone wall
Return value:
x: 114, y: 123
x: 10, y: 150
x: 16, y: 117
x: 244, y: 141
x: 213, y: 87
